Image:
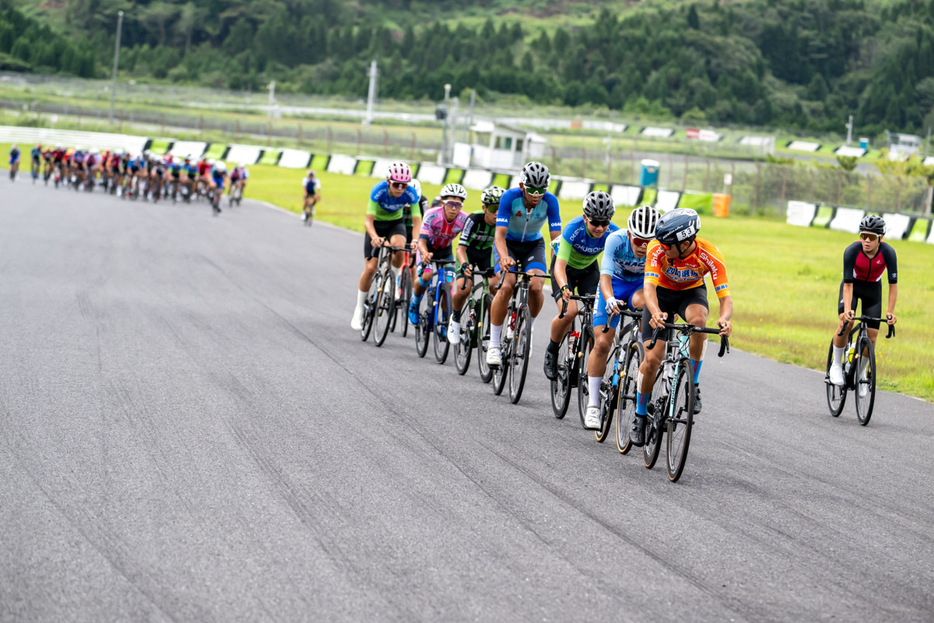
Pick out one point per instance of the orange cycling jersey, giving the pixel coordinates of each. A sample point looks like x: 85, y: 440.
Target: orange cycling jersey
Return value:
x: 689, y: 272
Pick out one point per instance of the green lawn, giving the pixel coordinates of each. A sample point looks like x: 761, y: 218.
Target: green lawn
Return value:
x: 784, y: 279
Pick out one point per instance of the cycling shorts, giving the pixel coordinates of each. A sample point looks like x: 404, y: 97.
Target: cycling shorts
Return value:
x: 581, y: 280
x: 443, y: 253
x: 529, y: 255
x: 870, y: 293
x: 481, y: 259
x: 384, y: 229
x: 672, y: 302
x: 622, y: 291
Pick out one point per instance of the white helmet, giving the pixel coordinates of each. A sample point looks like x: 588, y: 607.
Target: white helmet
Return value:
x: 454, y: 190
x: 642, y: 222
x: 220, y: 166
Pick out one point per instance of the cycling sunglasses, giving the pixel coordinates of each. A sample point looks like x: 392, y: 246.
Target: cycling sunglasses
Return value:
x: 399, y: 185
x: 450, y: 203
x: 869, y: 237
x: 641, y: 242
x: 537, y: 192
x: 599, y: 222
x: 491, y: 207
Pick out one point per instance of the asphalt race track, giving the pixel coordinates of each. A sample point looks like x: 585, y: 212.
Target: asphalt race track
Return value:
x: 190, y: 431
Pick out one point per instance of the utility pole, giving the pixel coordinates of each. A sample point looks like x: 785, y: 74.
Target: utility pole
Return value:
x: 371, y: 94
x: 849, y: 131
x: 444, y: 131
x: 272, y: 96
x: 473, y: 99
x: 113, y: 86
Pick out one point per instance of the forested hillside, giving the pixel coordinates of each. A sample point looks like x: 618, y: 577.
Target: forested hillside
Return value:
x: 802, y: 63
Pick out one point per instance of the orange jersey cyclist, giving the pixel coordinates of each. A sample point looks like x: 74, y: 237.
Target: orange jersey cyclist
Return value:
x: 675, y: 265
x: 864, y: 262
x: 522, y: 213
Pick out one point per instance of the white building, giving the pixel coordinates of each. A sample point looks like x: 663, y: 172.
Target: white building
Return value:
x: 498, y: 146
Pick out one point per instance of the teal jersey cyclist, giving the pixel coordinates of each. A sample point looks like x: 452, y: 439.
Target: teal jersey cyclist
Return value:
x: 384, y: 223
x: 576, y: 266
x: 523, y: 211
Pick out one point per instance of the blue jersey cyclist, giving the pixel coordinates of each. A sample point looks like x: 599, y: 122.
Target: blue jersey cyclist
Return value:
x: 523, y: 211
x: 384, y: 223
x: 622, y: 273
x: 575, y: 266
x: 14, y: 160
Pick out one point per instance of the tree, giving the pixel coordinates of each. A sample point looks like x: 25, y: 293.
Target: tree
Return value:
x: 693, y: 19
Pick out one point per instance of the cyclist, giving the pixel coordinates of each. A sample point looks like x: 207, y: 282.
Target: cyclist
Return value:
x: 312, y: 187
x: 384, y: 223
x: 622, y: 271
x: 216, y: 184
x: 238, y: 178
x: 864, y: 261
x: 675, y: 265
x: 14, y: 161
x: 523, y: 211
x: 36, y: 156
x: 574, y: 265
x: 475, y: 252
x: 435, y: 239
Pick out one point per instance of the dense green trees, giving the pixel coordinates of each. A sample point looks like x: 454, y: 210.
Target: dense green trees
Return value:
x: 799, y: 63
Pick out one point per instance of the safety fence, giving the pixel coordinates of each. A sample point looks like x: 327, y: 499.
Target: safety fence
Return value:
x: 897, y: 226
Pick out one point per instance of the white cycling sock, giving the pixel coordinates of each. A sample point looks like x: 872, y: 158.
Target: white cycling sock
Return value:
x: 496, y: 332
x: 594, y: 398
x: 838, y: 355
x: 361, y: 298
x: 395, y: 275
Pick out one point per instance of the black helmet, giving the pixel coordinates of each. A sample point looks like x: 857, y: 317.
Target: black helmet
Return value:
x: 677, y: 226
x: 873, y: 224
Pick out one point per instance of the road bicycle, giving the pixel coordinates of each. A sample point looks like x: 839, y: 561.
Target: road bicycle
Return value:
x: 859, y: 371
x: 34, y: 172
x: 516, y: 339
x: 622, y: 367
x: 236, y: 194
x: 404, y: 293
x: 309, y: 211
x: 573, y: 351
x: 434, y: 310
x: 379, y: 306
x: 475, y: 326
x: 671, y: 407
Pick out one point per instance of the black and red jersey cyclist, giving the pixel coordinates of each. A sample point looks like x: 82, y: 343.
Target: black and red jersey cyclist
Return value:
x: 864, y: 262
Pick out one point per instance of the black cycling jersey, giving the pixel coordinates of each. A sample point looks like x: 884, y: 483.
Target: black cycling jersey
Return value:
x: 857, y: 266
x: 477, y: 234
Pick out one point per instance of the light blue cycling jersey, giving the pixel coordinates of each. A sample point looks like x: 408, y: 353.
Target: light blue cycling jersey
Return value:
x: 619, y: 261
x: 526, y: 225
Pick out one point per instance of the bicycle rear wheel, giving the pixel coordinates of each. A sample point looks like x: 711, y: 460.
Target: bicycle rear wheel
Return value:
x: 423, y: 328
x: 583, y: 382
x: 654, y: 427
x: 836, y: 395
x: 483, y: 339
x: 369, y: 309
x: 561, y: 385
x: 464, y: 348
x: 403, y: 304
x: 385, y: 306
x: 440, y: 330
x: 864, y: 376
x: 609, y: 391
x: 678, y: 426
x: 628, y: 385
x: 521, y: 345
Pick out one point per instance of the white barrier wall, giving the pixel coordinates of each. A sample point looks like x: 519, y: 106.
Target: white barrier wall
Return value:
x: 340, y: 163
x: 667, y: 200
x: 244, y: 153
x: 856, y: 152
x: 295, y: 159
x: 803, y: 146
x: 381, y: 167
x: 800, y: 213
x: 625, y: 195
x: 896, y: 226
x: 571, y: 189
x: 429, y: 173
x: 477, y: 179
x: 847, y: 219
x: 180, y: 149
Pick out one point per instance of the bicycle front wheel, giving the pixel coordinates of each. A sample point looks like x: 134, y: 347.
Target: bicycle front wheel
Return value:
x: 369, y: 309
x: 385, y: 306
x: 464, y: 348
x: 865, y: 380
x: 678, y: 426
x: 561, y: 385
x: 655, y: 421
x: 608, y: 392
x: 521, y: 347
x: 440, y: 330
x: 836, y: 395
x: 403, y: 304
x: 583, y: 382
x: 483, y: 339
x: 423, y: 328
x: 628, y: 386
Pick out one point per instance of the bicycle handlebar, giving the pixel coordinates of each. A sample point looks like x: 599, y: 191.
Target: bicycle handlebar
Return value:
x: 632, y: 313
x: 485, y: 274
x: 690, y: 328
x: 392, y: 249
x: 891, y: 332
x: 584, y: 298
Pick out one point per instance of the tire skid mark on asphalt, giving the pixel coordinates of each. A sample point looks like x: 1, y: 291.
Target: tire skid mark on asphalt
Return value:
x: 740, y: 609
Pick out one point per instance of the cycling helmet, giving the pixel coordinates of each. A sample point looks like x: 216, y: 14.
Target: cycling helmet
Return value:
x: 311, y: 173
x: 417, y: 186
x: 454, y: 190
x: 642, y: 222
x: 599, y: 205
x: 677, y: 226
x: 220, y: 166
x: 536, y: 175
x: 491, y: 195
x: 872, y: 223
x: 400, y: 172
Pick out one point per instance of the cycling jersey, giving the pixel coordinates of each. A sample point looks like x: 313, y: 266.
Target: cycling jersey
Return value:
x: 385, y: 207
x: 14, y: 156
x: 857, y: 266
x: 311, y: 185
x: 440, y: 232
x: 36, y: 154
x: 578, y: 248
x: 687, y: 273
x: 218, y: 177
x: 619, y: 261
x: 525, y: 225
x: 477, y: 234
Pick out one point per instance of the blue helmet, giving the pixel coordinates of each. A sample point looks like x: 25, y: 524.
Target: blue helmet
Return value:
x: 677, y: 226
